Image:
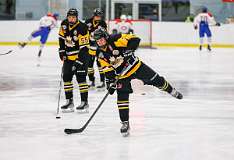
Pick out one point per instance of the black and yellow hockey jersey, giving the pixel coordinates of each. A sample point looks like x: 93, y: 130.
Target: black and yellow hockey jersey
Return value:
x: 92, y: 26
x: 73, y: 38
x: 118, y: 55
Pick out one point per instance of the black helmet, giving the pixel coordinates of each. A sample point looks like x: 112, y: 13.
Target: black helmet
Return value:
x: 98, y: 12
x: 100, y: 33
x: 72, y: 12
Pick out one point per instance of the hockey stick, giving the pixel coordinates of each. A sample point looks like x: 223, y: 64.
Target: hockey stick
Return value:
x: 6, y: 53
x: 59, y: 95
x: 71, y: 131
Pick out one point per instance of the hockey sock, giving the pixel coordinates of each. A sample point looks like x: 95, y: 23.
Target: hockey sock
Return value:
x: 123, y: 106
x: 68, y: 88
x: 83, y: 91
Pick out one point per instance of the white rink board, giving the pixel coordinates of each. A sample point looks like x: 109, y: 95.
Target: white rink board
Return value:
x: 162, y: 32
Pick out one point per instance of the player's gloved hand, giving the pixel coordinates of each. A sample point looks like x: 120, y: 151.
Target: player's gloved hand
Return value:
x: 111, y: 86
x: 62, y: 54
x: 110, y: 81
x: 218, y: 24
x: 195, y: 27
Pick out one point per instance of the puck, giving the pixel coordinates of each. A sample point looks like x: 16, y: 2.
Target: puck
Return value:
x: 58, y: 117
x: 142, y: 93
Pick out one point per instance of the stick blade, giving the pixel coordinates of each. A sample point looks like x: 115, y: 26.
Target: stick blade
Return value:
x: 72, y: 131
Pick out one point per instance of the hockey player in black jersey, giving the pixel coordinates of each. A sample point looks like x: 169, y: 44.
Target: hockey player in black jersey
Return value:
x: 73, y: 51
x: 116, y: 56
x: 94, y: 23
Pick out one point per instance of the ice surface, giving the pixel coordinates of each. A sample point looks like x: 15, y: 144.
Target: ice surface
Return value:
x: 199, y: 127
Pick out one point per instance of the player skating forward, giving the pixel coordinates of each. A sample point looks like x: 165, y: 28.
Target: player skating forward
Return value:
x: 203, y: 21
x: 94, y: 23
x: 46, y: 24
x: 123, y: 25
x: 116, y: 56
x: 73, y: 51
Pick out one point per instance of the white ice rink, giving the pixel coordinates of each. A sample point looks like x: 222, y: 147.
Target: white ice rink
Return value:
x: 199, y: 127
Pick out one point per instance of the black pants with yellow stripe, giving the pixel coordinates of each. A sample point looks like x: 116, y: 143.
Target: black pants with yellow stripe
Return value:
x: 91, y: 70
x: 69, y: 70
x: 148, y: 76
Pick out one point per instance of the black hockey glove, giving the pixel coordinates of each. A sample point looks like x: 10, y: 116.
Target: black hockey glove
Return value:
x: 111, y: 86
x: 195, y: 27
x: 62, y: 54
x: 110, y: 81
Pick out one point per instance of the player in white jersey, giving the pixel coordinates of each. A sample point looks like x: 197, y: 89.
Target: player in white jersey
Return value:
x: 46, y: 24
x: 203, y: 21
x: 123, y: 26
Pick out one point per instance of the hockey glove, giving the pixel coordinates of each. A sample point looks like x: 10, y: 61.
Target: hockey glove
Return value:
x: 111, y: 86
x: 62, y: 54
x: 195, y: 27
x: 218, y: 24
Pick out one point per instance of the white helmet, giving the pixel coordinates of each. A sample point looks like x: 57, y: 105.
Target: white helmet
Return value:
x: 123, y: 17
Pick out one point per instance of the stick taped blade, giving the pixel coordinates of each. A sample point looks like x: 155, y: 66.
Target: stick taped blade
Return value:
x: 71, y: 131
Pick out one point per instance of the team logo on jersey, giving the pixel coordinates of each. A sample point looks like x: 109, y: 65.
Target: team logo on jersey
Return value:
x: 75, y: 32
x: 69, y: 42
x: 115, y: 52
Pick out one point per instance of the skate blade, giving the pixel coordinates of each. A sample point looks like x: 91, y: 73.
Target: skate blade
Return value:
x: 67, y: 110
x: 82, y: 111
x: 125, y: 134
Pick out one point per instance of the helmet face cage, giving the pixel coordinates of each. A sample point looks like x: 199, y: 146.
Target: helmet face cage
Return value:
x: 100, y: 33
x: 98, y: 12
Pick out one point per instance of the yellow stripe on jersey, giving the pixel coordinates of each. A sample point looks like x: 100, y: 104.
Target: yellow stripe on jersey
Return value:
x: 133, y: 70
x: 123, y: 40
x: 61, y: 32
x: 107, y: 69
x: 103, y: 63
x: 92, y: 52
x: 72, y: 57
x: 70, y: 28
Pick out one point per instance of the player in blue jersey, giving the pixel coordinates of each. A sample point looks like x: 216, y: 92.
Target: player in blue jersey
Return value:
x: 203, y: 21
x: 46, y: 24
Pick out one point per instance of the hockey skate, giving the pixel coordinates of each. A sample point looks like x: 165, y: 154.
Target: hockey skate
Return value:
x: 125, y: 128
x: 22, y: 44
x: 101, y: 87
x: 176, y: 94
x: 209, y: 48
x: 68, y: 107
x: 200, y: 47
x: 83, y: 107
